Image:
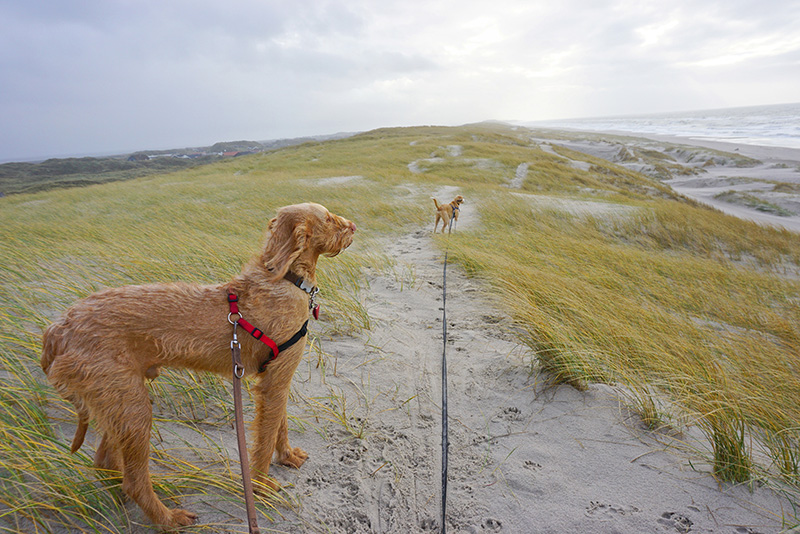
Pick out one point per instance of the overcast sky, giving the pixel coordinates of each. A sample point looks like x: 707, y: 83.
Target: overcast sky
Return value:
x: 99, y: 76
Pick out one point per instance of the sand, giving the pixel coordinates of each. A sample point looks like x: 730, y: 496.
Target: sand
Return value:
x: 523, y: 457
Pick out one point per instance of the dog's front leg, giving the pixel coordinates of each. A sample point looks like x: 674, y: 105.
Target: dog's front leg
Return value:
x: 286, y: 454
x: 270, y: 406
x: 270, y: 426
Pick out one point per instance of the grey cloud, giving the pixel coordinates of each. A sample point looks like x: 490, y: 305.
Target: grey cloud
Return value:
x: 89, y: 75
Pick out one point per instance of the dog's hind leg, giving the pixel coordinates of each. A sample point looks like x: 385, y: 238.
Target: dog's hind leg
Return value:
x: 108, y: 462
x: 127, y: 425
x: 108, y: 456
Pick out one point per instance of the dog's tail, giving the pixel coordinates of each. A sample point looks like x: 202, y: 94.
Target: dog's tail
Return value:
x: 435, y: 203
x: 51, y: 345
x: 80, y: 433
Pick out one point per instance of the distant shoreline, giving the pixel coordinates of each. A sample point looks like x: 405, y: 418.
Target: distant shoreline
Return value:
x: 766, y: 153
x: 776, y: 164
x: 760, y: 152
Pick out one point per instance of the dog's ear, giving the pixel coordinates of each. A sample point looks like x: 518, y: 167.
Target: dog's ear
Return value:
x: 289, y: 234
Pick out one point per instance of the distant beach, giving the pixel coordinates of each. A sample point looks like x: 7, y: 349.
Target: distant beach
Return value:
x: 763, y: 126
x: 766, y: 191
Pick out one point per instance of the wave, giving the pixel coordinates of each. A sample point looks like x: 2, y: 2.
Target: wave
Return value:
x: 776, y: 125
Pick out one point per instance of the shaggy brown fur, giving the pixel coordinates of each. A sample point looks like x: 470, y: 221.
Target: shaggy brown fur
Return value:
x: 100, y: 351
x: 445, y: 212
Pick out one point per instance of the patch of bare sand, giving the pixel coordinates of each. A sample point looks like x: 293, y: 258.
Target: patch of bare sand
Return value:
x: 334, y: 180
x: 577, y: 164
x: 584, y: 208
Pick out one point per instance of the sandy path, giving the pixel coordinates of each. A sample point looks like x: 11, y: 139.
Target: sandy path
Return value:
x: 521, y: 459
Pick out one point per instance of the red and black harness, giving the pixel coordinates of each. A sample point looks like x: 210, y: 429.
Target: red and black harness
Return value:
x: 276, y: 349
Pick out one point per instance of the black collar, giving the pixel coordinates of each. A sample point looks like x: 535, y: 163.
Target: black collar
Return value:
x: 301, y: 283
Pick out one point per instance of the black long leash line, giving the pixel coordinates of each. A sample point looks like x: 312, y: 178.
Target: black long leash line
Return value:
x: 445, y: 441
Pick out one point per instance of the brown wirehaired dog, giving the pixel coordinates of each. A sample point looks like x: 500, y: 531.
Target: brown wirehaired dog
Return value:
x: 445, y: 212
x: 100, y: 351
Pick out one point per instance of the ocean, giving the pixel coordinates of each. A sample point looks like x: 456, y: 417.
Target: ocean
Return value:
x: 776, y: 125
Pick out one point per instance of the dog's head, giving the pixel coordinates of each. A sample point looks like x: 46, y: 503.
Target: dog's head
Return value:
x: 458, y: 200
x: 303, y: 228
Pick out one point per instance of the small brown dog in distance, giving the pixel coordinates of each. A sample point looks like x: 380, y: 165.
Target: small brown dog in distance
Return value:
x: 445, y: 212
x: 100, y: 351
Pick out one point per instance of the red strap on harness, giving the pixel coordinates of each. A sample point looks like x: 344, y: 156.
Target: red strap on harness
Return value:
x: 250, y: 329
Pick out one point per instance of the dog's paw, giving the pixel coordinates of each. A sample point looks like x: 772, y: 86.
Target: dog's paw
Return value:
x: 295, y: 458
x: 181, y: 518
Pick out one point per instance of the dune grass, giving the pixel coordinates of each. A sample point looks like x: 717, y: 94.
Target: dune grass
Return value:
x: 670, y: 300
x: 676, y: 298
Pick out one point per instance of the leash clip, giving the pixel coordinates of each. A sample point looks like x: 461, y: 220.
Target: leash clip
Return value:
x: 238, y: 370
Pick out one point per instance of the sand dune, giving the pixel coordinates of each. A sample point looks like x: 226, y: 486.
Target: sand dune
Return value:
x: 523, y: 458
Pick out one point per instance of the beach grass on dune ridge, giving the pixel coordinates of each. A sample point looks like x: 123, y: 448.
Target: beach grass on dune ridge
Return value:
x: 680, y: 299
x: 669, y: 298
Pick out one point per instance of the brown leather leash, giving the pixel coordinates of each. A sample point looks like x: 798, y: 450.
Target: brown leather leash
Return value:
x: 244, y: 460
